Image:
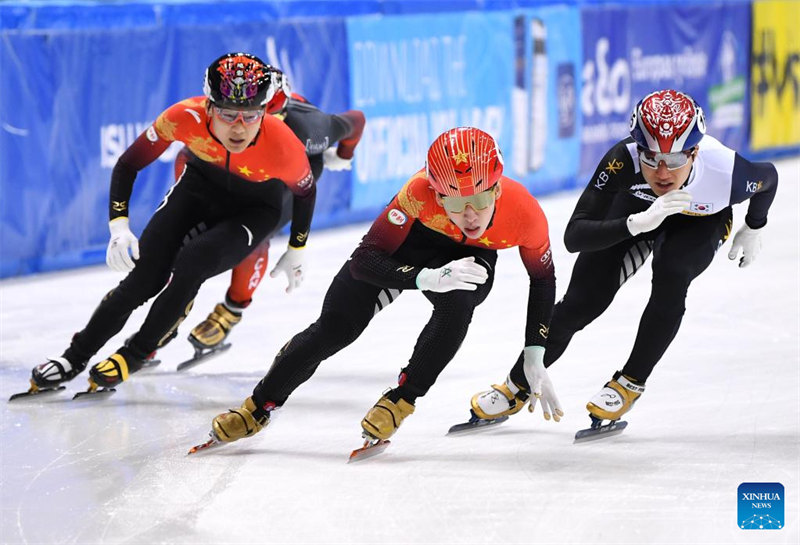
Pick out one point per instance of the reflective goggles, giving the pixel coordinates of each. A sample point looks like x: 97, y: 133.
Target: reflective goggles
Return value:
x: 479, y: 201
x: 671, y: 160
x: 248, y: 117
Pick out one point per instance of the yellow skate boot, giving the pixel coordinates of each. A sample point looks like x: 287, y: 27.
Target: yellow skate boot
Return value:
x: 502, y: 400
x: 213, y: 330
x: 616, y: 398
x: 236, y: 424
x: 385, y: 417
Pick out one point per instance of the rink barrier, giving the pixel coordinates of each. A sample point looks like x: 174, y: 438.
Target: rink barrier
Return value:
x: 103, y: 72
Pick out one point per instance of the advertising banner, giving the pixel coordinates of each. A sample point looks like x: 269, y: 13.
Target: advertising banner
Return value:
x: 546, y: 124
x: 775, y: 75
x: 79, y: 99
x: 415, y: 77
x: 629, y: 52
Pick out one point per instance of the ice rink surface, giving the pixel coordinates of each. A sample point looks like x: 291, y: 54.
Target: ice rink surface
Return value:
x: 720, y: 409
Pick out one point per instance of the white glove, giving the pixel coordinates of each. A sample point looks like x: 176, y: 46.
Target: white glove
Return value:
x: 673, y: 202
x: 461, y: 274
x: 122, y: 240
x: 541, y: 387
x: 334, y: 162
x: 290, y: 263
x: 749, y: 242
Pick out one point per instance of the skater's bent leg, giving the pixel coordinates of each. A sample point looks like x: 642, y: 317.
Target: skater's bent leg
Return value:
x: 347, y: 310
x: 439, y: 340
x: 596, y: 278
x: 216, y: 250
x: 680, y: 256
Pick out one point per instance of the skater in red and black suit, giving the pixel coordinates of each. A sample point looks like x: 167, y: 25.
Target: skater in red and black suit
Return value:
x: 239, y: 163
x: 320, y: 133
x: 439, y: 235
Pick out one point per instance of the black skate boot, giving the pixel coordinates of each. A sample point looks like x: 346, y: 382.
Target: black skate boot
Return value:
x: 47, y: 377
x: 151, y: 360
x: 110, y: 372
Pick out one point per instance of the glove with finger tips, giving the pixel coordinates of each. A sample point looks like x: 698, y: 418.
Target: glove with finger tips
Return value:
x: 460, y: 274
x: 541, y: 387
x: 291, y: 264
x: 122, y: 242
x: 749, y: 242
x: 671, y: 203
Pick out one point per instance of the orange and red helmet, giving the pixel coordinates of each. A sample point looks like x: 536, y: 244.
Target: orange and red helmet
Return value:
x: 463, y: 161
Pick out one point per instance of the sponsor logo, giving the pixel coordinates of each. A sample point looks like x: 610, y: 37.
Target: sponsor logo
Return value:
x: 151, y: 134
x: 194, y: 114
x: 544, y: 331
x: 601, y: 180
x: 405, y: 269
x: 317, y: 147
x: 644, y: 196
x: 396, y: 217
x: 306, y: 182
x: 760, y: 506
x: 752, y: 187
x: 614, y: 166
x: 119, y: 206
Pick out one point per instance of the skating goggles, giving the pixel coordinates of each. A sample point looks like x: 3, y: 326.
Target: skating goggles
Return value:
x: 479, y: 201
x: 672, y: 161
x: 248, y: 117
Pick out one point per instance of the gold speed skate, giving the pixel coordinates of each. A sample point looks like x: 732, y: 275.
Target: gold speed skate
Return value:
x: 380, y: 423
x: 614, y: 400
x: 234, y: 425
x: 207, y: 338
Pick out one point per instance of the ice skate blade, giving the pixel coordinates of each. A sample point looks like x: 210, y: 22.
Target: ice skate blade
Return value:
x: 36, y: 393
x: 94, y: 395
x: 211, y: 443
x: 201, y: 355
x: 601, y: 432
x: 148, y: 364
x: 475, y: 424
x: 368, y: 450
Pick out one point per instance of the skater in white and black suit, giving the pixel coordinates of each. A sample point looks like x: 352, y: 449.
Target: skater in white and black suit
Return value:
x: 665, y: 190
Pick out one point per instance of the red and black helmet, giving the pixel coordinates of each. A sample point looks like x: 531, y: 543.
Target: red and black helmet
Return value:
x: 667, y: 121
x: 241, y: 81
x: 463, y: 161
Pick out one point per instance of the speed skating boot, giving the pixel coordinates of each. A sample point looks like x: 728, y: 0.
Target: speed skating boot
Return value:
x: 503, y: 399
x: 385, y: 417
x: 244, y: 421
x: 616, y: 398
x: 115, y: 369
x: 214, y: 329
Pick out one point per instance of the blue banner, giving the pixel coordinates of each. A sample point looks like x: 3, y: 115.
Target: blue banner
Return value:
x: 415, y: 77
x: 69, y: 115
x: 631, y: 51
x: 546, y: 124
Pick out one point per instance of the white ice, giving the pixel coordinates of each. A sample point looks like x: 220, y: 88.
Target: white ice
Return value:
x: 721, y: 409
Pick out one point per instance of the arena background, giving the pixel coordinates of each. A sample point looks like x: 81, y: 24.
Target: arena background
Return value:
x: 554, y: 82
